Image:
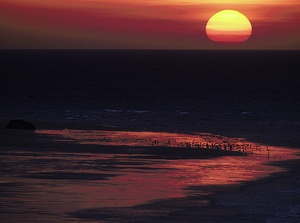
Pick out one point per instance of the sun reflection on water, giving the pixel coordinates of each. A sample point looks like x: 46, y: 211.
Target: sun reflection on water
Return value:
x: 59, y: 181
x: 181, y: 173
x: 166, y: 139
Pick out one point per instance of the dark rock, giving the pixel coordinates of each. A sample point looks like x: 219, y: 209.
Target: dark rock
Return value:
x: 20, y: 124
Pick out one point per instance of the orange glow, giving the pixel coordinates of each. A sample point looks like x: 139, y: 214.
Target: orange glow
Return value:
x: 148, y: 24
x: 166, y: 139
x: 174, y: 174
x: 130, y: 179
x: 228, y: 26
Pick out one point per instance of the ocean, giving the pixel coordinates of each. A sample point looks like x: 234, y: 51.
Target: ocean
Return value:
x: 246, y: 91
x: 132, y: 99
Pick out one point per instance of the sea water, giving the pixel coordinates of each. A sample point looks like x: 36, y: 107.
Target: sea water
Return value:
x: 46, y: 185
x: 240, y: 97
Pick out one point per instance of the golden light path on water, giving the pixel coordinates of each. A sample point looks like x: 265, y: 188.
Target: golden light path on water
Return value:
x: 140, y: 180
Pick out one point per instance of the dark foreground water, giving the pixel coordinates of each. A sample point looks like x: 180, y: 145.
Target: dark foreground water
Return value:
x: 250, y: 97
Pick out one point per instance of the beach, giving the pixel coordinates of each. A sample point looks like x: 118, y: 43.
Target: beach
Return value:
x: 274, y: 197
x: 79, y: 102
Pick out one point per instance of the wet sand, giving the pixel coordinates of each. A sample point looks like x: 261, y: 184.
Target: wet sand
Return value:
x: 275, y: 198
x: 272, y: 199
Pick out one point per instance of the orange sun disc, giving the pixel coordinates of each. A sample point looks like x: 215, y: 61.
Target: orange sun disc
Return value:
x: 228, y: 26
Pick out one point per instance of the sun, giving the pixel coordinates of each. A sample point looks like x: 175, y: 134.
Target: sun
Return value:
x: 228, y: 26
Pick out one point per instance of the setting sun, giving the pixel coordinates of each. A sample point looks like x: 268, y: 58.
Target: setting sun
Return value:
x: 228, y: 26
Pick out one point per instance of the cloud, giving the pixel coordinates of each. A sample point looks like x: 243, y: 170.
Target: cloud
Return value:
x: 134, y: 23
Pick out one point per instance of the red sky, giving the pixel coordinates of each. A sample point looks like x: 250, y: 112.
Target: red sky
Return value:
x: 133, y: 24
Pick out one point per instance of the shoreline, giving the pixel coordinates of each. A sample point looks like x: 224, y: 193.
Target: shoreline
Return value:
x: 274, y: 198
x: 33, y: 139
x: 273, y: 135
x: 251, y: 201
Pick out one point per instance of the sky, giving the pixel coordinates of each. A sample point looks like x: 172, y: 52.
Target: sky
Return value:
x: 136, y: 24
